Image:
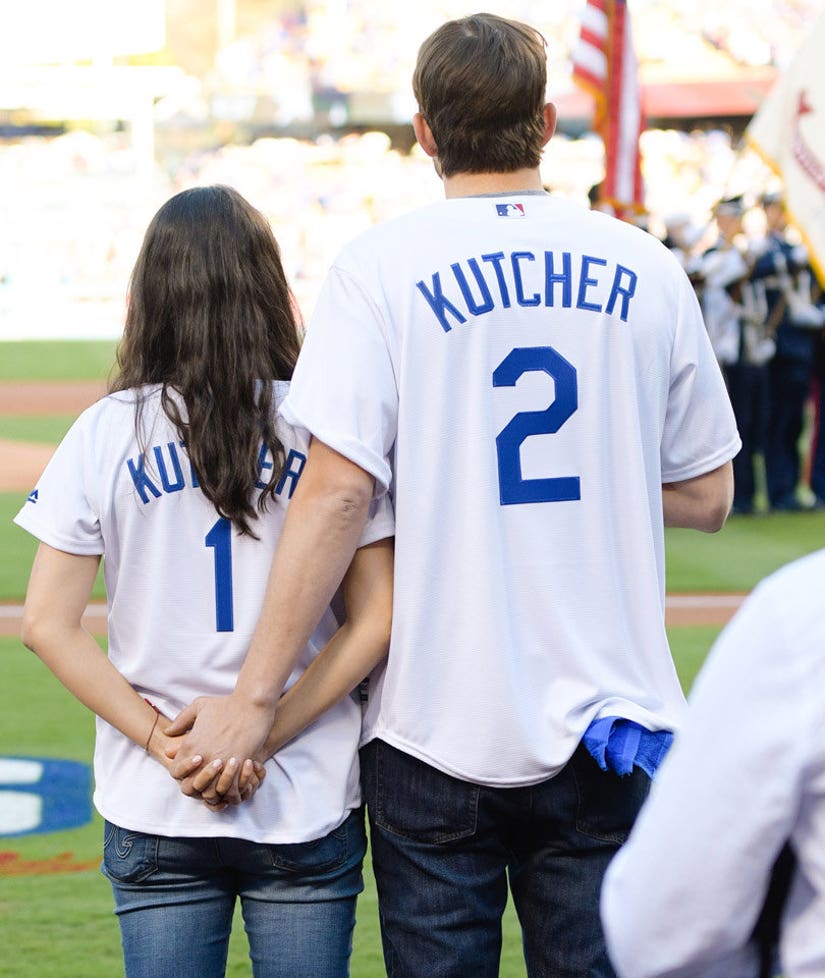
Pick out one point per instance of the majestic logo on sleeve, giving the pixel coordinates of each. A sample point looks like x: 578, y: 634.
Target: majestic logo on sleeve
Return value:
x: 32, y: 498
x: 803, y: 154
x: 510, y: 210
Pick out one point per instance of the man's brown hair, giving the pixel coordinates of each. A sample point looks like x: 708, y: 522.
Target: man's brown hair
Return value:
x: 480, y: 85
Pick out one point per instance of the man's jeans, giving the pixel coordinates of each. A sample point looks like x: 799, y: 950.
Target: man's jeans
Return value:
x: 175, y: 899
x: 443, y: 850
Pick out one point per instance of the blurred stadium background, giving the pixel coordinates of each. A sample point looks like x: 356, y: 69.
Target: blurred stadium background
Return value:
x: 108, y: 106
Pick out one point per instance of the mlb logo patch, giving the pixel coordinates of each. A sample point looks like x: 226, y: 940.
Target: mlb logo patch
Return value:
x: 510, y: 210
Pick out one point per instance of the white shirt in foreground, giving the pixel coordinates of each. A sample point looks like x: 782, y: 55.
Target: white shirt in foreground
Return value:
x: 746, y: 773
x: 524, y: 375
x: 184, y: 594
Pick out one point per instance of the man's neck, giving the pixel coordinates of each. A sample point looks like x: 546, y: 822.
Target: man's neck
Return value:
x: 474, y: 184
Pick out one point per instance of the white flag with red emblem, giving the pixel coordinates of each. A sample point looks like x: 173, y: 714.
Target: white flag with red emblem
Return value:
x: 788, y: 132
x: 604, y: 63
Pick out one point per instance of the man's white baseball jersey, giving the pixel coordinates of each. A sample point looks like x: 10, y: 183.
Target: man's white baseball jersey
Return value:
x: 746, y: 774
x: 524, y: 374
x: 185, y: 591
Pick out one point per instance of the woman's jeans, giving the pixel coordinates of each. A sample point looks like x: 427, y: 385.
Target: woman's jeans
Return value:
x: 444, y: 851
x: 175, y: 899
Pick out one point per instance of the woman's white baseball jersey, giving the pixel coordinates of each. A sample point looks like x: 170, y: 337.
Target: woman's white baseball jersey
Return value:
x: 745, y: 774
x: 184, y: 592
x: 524, y: 374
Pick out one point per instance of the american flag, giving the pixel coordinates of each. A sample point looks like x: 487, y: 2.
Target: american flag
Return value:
x: 604, y: 63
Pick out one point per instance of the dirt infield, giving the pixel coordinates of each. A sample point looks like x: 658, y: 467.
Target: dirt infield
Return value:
x: 22, y: 462
x: 681, y: 609
x: 11, y: 616
x: 60, y: 397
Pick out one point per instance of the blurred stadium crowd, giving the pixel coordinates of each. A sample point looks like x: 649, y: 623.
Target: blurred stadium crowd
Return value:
x: 74, y: 205
x: 75, y: 209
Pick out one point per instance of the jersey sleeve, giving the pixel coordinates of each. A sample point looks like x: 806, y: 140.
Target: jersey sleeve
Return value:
x: 61, y: 510
x: 700, y: 431
x: 380, y: 521
x: 344, y: 388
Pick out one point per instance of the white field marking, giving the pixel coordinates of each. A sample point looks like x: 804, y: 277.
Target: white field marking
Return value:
x: 704, y: 600
x: 99, y: 610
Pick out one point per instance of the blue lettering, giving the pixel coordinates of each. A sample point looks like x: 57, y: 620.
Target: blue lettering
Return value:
x: 626, y: 293
x: 263, y: 463
x: 474, y: 307
x: 551, y: 278
x: 168, y: 486
x: 141, y: 479
x: 481, y: 295
x: 585, y: 282
x: 516, y: 257
x: 439, y: 304
x: 294, y: 466
x: 495, y: 260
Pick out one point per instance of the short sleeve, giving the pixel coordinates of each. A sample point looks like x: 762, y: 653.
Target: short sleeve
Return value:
x: 380, y: 521
x: 60, y: 510
x: 700, y: 430
x: 344, y: 389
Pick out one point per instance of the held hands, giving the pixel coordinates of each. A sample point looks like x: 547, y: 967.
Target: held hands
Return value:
x: 221, y: 785
x: 218, y: 793
x: 205, y: 741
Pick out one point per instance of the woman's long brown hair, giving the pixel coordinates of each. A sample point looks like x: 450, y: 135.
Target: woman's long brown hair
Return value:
x: 210, y: 315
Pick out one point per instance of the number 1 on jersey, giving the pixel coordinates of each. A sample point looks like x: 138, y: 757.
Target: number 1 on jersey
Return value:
x: 513, y: 488
x: 220, y: 539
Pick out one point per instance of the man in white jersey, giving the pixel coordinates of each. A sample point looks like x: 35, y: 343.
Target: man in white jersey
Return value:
x: 687, y: 894
x: 534, y: 384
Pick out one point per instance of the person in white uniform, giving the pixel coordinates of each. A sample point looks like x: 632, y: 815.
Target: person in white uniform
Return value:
x: 534, y: 385
x: 745, y: 778
x: 181, y: 479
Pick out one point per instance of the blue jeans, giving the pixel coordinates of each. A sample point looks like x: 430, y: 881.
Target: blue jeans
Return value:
x: 443, y: 850
x: 175, y: 898
x: 749, y: 388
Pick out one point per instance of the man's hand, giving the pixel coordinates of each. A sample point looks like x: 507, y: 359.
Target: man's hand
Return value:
x: 213, y: 783
x: 220, y: 729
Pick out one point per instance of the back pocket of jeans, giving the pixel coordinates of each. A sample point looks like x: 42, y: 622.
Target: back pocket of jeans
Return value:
x: 317, y: 856
x: 608, y: 803
x: 129, y: 857
x: 417, y: 801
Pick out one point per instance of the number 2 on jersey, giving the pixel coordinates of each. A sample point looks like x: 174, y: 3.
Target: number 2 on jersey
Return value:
x: 513, y: 488
x: 220, y: 539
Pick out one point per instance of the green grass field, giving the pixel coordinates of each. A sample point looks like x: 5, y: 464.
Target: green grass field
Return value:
x: 56, y: 360
x: 60, y: 925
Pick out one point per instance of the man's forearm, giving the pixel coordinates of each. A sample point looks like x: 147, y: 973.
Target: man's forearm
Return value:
x: 325, y: 520
x: 323, y: 524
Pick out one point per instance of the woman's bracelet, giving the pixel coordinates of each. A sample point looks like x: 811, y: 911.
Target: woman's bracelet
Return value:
x: 151, y: 732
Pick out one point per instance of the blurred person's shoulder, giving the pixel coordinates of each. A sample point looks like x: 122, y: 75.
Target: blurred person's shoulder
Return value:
x: 793, y: 595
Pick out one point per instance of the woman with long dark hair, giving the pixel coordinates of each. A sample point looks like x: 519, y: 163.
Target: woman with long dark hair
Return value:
x: 180, y: 479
